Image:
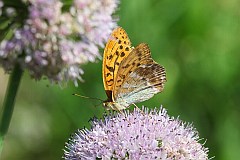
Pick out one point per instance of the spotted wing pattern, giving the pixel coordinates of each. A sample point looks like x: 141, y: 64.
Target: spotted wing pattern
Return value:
x: 138, y: 77
x: 117, y: 48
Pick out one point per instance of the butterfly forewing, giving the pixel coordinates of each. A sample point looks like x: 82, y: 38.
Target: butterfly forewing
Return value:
x: 117, y: 48
x: 138, y: 77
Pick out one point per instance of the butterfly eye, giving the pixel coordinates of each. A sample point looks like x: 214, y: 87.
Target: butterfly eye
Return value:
x: 104, y: 104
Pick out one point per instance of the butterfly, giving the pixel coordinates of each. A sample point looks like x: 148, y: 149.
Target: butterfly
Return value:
x: 130, y: 75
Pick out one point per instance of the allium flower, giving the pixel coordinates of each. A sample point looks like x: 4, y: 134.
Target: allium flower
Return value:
x: 54, y: 43
x: 137, y: 135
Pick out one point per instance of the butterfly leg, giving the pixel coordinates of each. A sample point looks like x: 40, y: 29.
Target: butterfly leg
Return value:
x: 138, y: 108
x: 117, y: 109
x: 120, y: 111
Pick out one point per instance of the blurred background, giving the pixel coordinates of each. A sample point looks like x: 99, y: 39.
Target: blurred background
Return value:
x: 198, y: 42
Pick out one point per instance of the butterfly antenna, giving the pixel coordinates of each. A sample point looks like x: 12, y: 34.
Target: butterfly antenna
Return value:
x: 87, y: 97
x: 96, y: 105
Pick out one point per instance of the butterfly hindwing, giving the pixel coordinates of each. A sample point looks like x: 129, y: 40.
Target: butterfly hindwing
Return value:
x: 138, y: 77
x: 139, y: 55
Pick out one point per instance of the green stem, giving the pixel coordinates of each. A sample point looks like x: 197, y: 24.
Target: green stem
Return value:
x: 8, y: 104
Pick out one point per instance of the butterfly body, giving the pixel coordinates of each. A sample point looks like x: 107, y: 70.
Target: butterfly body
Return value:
x: 109, y: 105
x: 130, y: 75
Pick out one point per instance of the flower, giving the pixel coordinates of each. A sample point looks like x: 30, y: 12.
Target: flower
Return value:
x: 1, y: 5
x: 54, y: 42
x: 147, y: 134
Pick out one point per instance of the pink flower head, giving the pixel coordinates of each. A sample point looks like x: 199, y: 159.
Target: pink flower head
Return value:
x: 137, y: 135
x: 55, y: 43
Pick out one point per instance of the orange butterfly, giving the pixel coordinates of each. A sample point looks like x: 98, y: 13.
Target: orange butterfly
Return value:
x: 130, y: 75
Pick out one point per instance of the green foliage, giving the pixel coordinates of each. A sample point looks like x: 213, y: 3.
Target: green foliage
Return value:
x: 197, y: 42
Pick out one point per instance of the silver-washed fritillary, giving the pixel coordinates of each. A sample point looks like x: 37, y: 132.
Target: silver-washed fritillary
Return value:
x: 130, y: 75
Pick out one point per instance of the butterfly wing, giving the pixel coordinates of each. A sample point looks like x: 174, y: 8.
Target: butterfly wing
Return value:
x: 139, y: 77
x: 117, y: 48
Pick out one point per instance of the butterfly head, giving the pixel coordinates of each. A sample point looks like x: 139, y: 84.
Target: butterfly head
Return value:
x: 113, y: 106
x: 107, y: 105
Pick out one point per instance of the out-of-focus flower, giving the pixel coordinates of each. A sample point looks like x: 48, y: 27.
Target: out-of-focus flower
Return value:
x: 137, y: 135
x: 55, y: 43
x: 1, y: 5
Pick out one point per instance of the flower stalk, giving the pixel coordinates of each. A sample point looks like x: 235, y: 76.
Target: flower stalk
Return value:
x: 8, y: 104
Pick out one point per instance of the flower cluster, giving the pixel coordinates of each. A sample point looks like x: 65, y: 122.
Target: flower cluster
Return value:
x: 54, y: 43
x: 137, y: 135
